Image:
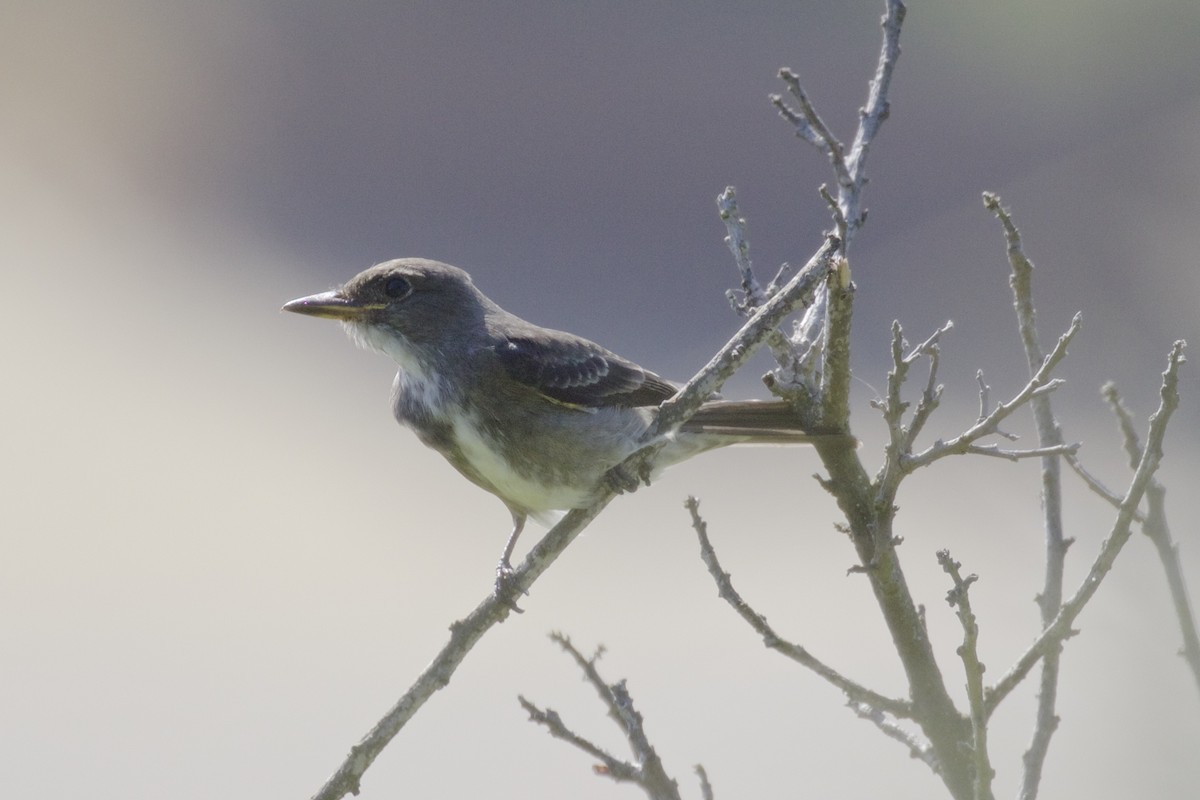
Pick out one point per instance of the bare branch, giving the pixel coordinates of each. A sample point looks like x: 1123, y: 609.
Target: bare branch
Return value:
x: 588, y: 667
x: 804, y: 129
x: 894, y: 407
x: 753, y: 296
x: 615, y: 768
x: 1039, y: 384
x: 1049, y: 437
x: 984, y: 405
x: 782, y: 276
x: 902, y: 438
x: 960, y: 599
x: 839, y: 218
x: 1155, y: 526
x: 655, y: 780
x: 984, y: 389
x: 1157, y: 529
x: 873, y: 115
x: 648, y: 773
x: 809, y: 125
x: 1133, y: 448
x: 735, y: 239
x: 1051, y: 637
x: 856, y: 693
x: 932, y: 396
x: 849, y: 168
x: 1017, y: 455
x: 706, y: 790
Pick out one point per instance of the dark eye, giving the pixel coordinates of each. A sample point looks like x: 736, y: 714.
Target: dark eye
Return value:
x: 396, y: 287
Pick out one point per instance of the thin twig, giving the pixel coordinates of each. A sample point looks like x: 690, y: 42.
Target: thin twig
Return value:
x: 960, y: 599
x: 753, y: 295
x: 872, y: 116
x: 735, y: 239
x: 706, y: 789
x: 1159, y: 531
x: 782, y: 276
x: 984, y: 405
x: 855, y: 692
x: 1156, y: 528
x: 1039, y: 384
x: 1017, y: 455
x: 620, y: 771
x: 588, y: 667
x: 1129, y: 435
x: 984, y: 390
x: 839, y: 217
x: 894, y: 407
x: 648, y: 773
x: 809, y: 125
x: 849, y: 167
x: 932, y: 396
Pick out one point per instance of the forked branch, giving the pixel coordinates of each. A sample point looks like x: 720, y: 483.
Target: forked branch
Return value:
x: 1060, y: 628
x: 1154, y: 526
x: 646, y: 771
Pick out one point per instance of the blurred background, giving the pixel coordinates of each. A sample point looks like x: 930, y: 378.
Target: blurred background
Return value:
x: 223, y: 561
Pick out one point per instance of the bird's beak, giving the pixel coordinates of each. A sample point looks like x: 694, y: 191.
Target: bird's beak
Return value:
x: 331, y: 305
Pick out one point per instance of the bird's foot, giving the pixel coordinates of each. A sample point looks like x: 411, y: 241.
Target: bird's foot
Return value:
x: 625, y: 478
x: 506, y: 590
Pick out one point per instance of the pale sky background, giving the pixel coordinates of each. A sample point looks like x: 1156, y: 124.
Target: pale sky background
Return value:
x: 223, y: 561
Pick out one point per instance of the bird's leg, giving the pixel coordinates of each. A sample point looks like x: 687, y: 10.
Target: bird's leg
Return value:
x: 504, y: 569
x: 518, y: 526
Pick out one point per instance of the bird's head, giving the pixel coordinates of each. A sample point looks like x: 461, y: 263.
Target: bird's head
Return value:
x: 404, y: 308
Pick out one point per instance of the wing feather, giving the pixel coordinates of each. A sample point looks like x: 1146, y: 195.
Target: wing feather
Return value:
x: 572, y: 370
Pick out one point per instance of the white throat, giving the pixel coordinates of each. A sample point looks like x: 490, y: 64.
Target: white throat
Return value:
x: 413, y: 379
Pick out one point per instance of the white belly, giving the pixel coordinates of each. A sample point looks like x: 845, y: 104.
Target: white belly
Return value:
x: 510, y: 485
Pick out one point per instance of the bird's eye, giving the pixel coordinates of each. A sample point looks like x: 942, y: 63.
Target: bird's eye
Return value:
x: 396, y: 287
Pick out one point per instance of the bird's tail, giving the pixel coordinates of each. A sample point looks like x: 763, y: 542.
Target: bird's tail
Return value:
x: 758, y: 422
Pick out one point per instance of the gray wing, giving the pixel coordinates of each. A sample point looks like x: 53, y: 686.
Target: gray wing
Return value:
x: 572, y: 370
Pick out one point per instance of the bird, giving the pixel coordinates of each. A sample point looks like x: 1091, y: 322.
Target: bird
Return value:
x: 540, y: 418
